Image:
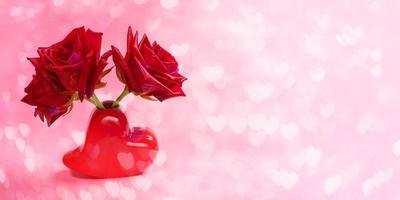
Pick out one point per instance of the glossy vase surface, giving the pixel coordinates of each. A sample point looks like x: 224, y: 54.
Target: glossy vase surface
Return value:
x: 112, y: 148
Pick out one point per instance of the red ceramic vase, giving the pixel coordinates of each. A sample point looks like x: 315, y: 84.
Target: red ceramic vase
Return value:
x: 111, y: 148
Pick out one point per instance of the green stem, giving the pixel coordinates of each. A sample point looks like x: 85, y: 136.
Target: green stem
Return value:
x: 121, y: 96
x: 91, y: 101
x: 97, y: 102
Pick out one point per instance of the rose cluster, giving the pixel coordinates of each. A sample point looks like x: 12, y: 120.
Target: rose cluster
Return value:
x: 73, y: 68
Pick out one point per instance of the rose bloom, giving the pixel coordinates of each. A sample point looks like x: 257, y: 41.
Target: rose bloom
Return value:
x: 65, y: 70
x: 148, y: 69
x: 48, y: 95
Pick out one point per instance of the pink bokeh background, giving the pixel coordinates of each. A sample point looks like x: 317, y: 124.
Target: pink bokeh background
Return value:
x: 285, y: 100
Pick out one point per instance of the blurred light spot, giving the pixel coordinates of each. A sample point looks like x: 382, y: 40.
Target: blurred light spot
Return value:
x: 168, y: 4
x: 259, y: 91
x: 112, y: 188
x: 376, y: 181
x: 237, y: 124
x: 209, y: 4
x: 289, y: 131
x: 350, y: 36
x: 376, y: 54
x: 217, y: 123
x: 20, y: 143
x: 376, y: 71
x: 85, y: 195
x: 179, y: 49
x: 213, y: 73
x: 318, y: 74
x: 29, y: 164
x: 161, y: 158
x: 78, y: 137
x: 332, y: 184
x: 9, y: 132
x: 142, y: 182
x: 140, y: 2
x: 286, y: 179
x: 24, y: 129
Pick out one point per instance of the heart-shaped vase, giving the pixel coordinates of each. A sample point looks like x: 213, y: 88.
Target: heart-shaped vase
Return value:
x: 111, y: 148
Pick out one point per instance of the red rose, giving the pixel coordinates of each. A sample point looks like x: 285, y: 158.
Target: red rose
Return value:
x: 48, y: 95
x: 64, y: 71
x: 148, y: 69
x: 75, y: 61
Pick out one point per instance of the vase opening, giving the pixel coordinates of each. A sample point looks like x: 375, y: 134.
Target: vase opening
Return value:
x: 109, y: 104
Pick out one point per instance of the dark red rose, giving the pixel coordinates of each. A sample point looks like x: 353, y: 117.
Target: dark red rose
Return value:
x: 148, y: 69
x: 65, y: 71
x: 48, y: 95
x: 75, y: 61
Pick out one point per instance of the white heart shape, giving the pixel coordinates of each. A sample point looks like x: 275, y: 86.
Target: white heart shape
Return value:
x: 257, y: 121
x: 376, y: 55
x: 332, y: 184
x: 116, y: 11
x: 29, y: 164
x: 1, y: 133
x: 128, y: 193
x: 327, y: 110
x: 367, y: 186
x: 237, y: 124
x: 209, y: 4
x: 213, y: 73
x: 350, y: 36
x: 85, y: 195
x: 318, y: 74
x: 140, y: 2
x: 323, y: 21
x: 375, y: 6
x: 112, y: 188
x: 284, y: 178
x: 377, y: 180
x: 179, y: 49
x: 126, y: 160
x: 281, y: 69
x: 58, y: 2
x: 376, y: 71
x: 312, y: 156
x: 290, y: 181
x: 141, y: 182
x: 2, y: 176
x: 161, y: 158
x: 289, y: 131
x: 78, y: 137
x: 153, y: 25
x: 396, y: 148
x: 9, y: 132
x: 24, y: 129
x: 258, y: 91
x: 20, y: 143
x: 168, y: 4
x: 217, y: 123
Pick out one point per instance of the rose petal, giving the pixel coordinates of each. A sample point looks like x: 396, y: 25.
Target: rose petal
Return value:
x: 123, y: 70
x: 168, y: 60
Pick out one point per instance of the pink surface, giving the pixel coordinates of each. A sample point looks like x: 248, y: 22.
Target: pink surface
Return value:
x: 285, y: 100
